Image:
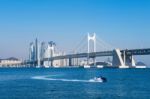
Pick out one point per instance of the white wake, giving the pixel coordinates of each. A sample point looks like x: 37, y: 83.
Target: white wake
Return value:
x: 64, y: 80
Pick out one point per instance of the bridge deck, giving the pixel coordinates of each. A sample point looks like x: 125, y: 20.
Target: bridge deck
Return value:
x: 82, y: 55
x: 99, y: 54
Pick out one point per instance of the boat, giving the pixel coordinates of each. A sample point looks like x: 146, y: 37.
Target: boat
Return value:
x: 140, y: 66
x: 100, y: 66
x: 123, y: 67
x: 87, y: 66
x: 99, y: 79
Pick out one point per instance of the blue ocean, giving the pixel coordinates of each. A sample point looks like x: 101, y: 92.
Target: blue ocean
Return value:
x: 74, y: 83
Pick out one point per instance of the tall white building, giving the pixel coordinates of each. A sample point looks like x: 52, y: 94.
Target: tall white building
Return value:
x: 32, y: 52
x: 43, y: 50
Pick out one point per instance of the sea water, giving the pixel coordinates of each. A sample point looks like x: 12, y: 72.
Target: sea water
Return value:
x: 74, y: 83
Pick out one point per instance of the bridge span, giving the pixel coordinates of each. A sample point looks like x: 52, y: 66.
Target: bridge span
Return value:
x: 120, y: 57
x: 101, y: 54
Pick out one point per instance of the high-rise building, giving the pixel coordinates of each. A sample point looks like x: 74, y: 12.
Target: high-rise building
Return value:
x: 43, y: 50
x: 46, y: 50
x: 36, y: 49
x: 32, y: 52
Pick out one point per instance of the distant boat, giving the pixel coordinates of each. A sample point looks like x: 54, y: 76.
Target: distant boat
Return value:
x: 87, y: 66
x: 123, y: 66
x: 100, y: 66
x: 140, y: 66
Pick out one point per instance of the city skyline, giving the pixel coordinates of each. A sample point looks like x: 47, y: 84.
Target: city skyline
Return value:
x: 123, y: 24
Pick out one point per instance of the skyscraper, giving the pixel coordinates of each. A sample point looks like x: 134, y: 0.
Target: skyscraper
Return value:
x: 32, y: 52
x: 43, y: 50
x: 36, y: 49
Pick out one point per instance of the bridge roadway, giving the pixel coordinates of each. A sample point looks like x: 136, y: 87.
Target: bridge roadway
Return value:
x: 101, y: 54
x: 82, y: 55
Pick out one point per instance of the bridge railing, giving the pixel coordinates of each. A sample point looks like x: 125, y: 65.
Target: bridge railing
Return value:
x: 137, y: 51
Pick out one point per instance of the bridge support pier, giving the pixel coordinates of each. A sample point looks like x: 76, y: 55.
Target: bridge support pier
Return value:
x: 130, y: 61
x: 70, y: 62
x: 94, y: 61
x: 51, y: 62
x: 42, y: 63
x: 117, y: 58
x: 122, y: 60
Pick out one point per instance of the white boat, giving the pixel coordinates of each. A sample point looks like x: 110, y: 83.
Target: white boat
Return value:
x: 100, y: 66
x: 123, y: 66
x: 87, y: 66
x: 99, y: 79
x: 95, y: 79
x: 140, y: 66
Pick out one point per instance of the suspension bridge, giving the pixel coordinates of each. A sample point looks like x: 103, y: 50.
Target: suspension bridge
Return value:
x: 93, y: 48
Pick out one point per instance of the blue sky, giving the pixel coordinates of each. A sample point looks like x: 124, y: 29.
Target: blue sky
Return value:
x: 121, y: 23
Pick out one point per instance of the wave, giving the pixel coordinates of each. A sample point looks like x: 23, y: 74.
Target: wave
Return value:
x: 64, y: 80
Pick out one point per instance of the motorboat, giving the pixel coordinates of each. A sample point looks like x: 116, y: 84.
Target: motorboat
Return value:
x: 87, y: 66
x: 99, y: 79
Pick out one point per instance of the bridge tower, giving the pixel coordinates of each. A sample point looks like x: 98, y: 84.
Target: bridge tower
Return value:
x: 91, y: 38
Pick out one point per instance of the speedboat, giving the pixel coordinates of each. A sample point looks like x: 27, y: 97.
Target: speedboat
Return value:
x: 103, y: 79
x: 99, y: 79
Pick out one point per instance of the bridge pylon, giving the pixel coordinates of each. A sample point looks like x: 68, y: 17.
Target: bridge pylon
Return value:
x: 91, y: 38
